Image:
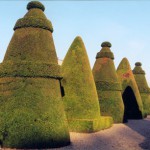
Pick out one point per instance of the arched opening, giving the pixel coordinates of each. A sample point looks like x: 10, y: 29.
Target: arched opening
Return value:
x: 62, y: 89
x: 1, y: 144
x: 131, y: 108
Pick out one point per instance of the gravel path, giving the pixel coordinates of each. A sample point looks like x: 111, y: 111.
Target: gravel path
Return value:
x: 134, y: 135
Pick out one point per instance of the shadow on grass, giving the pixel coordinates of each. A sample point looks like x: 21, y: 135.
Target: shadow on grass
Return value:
x: 143, y: 128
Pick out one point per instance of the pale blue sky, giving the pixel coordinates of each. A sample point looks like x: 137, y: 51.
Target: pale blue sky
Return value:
x: 126, y: 24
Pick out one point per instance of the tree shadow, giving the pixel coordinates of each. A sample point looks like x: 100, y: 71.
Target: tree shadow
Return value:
x: 143, y: 128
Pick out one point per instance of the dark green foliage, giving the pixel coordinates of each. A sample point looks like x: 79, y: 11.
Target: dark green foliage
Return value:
x: 80, y: 100
x: 34, y: 22
x: 89, y: 126
x: 138, y: 64
x: 138, y: 69
x: 30, y: 69
x: 108, y: 86
x: 146, y: 103
x: 80, y: 93
x: 35, y: 4
x: 106, y: 44
x: 111, y: 103
x: 31, y: 109
x: 105, y: 53
x: 139, y: 75
x: 40, y: 50
x: 127, y: 79
x: 31, y: 113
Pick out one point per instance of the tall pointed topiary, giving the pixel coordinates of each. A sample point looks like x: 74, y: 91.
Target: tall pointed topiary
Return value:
x: 80, y: 99
x: 130, y: 93
x: 31, y: 109
x: 139, y: 75
x: 107, y: 84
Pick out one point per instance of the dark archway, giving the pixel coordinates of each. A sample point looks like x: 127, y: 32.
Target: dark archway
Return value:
x: 131, y: 108
x: 62, y: 89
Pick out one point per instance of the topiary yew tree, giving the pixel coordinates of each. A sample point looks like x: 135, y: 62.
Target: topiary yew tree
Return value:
x: 107, y: 84
x: 81, y: 100
x: 31, y: 109
x: 127, y: 80
x: 139, y: 75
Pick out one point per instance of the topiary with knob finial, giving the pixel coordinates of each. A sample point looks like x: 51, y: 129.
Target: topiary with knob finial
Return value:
x: 32, y: 114
x: 34, y: 18
x: 142, y: 84
x: 107, y: 84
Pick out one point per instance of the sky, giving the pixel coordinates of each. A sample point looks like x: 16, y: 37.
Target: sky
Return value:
x: 124, y: 23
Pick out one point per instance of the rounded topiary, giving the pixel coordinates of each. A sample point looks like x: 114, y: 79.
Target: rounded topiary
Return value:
x: 130, y: 91
x: 138, y: 64
x: 35, y: 4
x: 81, y: 100
x: 106, y: 44
x: 107, y: 84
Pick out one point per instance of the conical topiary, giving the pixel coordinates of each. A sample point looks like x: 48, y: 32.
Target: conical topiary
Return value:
x: 107, y: 84
x: 31, y: 111
x: 80, y: 99
x: 130, y: 93
x: 139, y: 75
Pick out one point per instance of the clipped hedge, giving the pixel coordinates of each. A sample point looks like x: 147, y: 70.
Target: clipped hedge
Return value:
x: 144, y: 89
x: 138, y: 69
x: 40, y: 50
x: 146, y: 103
x: 108, y: 86
x: 34, y: 18
x: 105, y: 54
x: 142, y: 84
x: 32, y: 113
x: 30, y: 69
x: 110, y: 100
x: 89, y: 126
x: 34, y: 22
x: 105, y: 51
x: 80, y: 100
x: 127, y: 79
